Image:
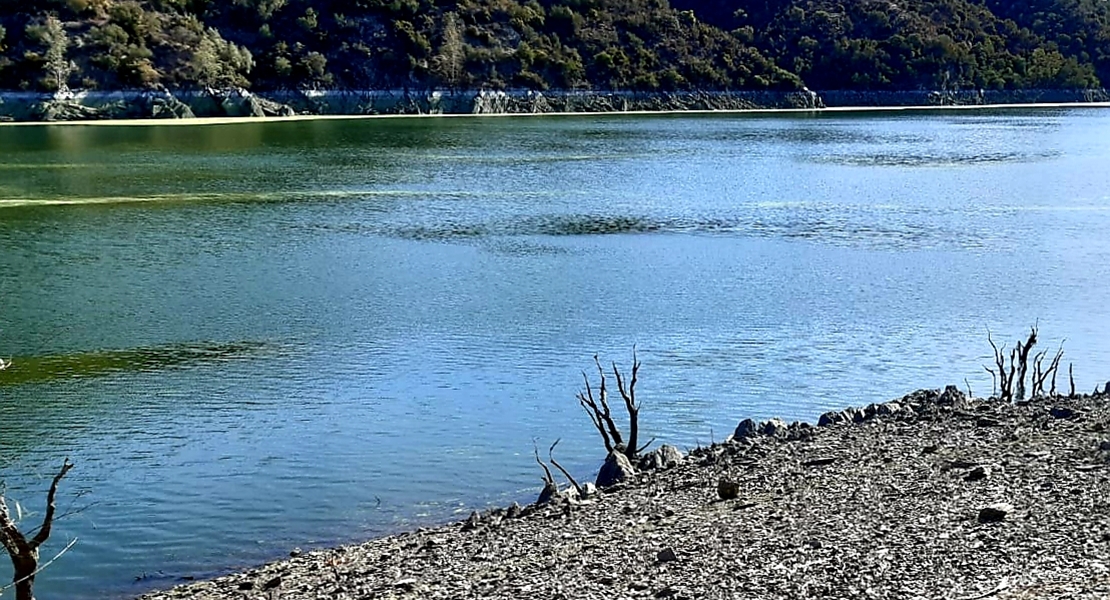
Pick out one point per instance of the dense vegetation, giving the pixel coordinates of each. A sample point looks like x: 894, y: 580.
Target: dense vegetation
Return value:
x: 567, y: 44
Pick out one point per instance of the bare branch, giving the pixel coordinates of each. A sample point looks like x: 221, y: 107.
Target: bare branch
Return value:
x: 551, y: 456
x: 1071, y: 381
x: 600, y: 413
x: 51, y: 507
x: 597, y: 416
x: 603, y: 396
x: 629, y: 396
x: 547, y: 478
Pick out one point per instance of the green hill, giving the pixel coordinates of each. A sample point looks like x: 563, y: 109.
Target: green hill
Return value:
x: 565, y: 44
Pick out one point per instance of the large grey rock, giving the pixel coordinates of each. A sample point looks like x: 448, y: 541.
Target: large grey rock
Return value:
x: 951, y: 396
x: 169, y: 107
x: 995, y: 513
x: 746, y: 429
x: 663, y: 457
x: 617, y: 468
x: 241, y: 103
x: 549, y: 492
x: 728, y: 489
x: 774, y: 428
x: 67, y: 110
x: 888, y: 409
x: 262, y: 107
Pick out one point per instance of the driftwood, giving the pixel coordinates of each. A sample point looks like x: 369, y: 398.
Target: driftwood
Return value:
x: 23, y: 552
x: 550, y: 487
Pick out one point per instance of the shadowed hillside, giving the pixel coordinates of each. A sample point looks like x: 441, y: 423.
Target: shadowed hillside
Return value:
x: 566, y: 44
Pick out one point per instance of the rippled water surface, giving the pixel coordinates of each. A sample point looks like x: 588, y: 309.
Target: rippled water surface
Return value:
x: 260, y: 336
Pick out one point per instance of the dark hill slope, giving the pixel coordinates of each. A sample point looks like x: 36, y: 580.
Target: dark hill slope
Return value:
x: 1077, y: 28
x: 275, y: 44
x: 567, y: 44
x: 912, y: 44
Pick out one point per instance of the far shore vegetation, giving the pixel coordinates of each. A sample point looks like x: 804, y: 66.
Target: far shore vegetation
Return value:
x: 643, y: 45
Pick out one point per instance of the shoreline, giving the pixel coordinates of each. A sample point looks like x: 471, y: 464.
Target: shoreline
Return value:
x: 231, y: 107
x: 932, y: 495
x: 754, y: 112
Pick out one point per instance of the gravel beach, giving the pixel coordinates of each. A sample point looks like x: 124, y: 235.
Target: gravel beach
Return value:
x: 931, y: 496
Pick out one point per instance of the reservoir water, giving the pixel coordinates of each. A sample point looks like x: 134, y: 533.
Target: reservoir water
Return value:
x: 262, y: 336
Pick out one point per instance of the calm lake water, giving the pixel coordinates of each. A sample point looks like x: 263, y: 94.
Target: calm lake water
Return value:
x: 264, y: 336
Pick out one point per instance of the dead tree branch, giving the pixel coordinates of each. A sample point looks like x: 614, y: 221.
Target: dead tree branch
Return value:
x: 551, y: 456
x: 23, y: 552
x: 550, y: 488
x: 1040, y: 374
x: 600, y: 413
x: 1071, y: 381
x: 1010, y: 375
x: 1001, y: 373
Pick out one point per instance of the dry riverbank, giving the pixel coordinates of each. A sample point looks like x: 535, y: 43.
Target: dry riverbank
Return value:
x: 929, y: 496
x: 212, y: 106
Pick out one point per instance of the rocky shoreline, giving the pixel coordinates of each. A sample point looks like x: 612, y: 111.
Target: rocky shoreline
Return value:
x: 931, y: 496
x: 238, y: 103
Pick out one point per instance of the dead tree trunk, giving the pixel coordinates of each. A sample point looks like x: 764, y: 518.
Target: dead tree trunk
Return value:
x: 1071, y: 381
x: 23, y: 552
x: 1021, y: 352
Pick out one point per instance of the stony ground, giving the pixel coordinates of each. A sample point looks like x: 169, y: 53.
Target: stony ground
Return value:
x: 933, y: 496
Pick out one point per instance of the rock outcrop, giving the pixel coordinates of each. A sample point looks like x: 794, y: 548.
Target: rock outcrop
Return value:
x: 617, y: 468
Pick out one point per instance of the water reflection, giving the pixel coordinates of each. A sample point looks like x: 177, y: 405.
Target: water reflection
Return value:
x: 908, y: 159
x: 38, y: 369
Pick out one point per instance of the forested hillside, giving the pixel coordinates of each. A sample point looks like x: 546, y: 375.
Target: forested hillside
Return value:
x: 565, y: 44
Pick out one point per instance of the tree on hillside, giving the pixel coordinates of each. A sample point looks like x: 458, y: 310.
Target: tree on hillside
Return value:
x: 451, y: 60
x: 56, y: 67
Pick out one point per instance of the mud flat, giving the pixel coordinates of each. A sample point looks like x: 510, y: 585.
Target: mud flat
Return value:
x: 930, y: 496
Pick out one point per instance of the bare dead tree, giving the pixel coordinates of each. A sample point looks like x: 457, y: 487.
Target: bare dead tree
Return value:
x: 23, y: 552
x: 1041, y: 374
x: 1010, y: 376
x: 601, y: 415
x: 1001, y: 375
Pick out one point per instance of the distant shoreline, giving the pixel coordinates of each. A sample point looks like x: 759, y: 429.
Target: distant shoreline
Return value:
x: 208, y: 121
x: 210, y: 107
